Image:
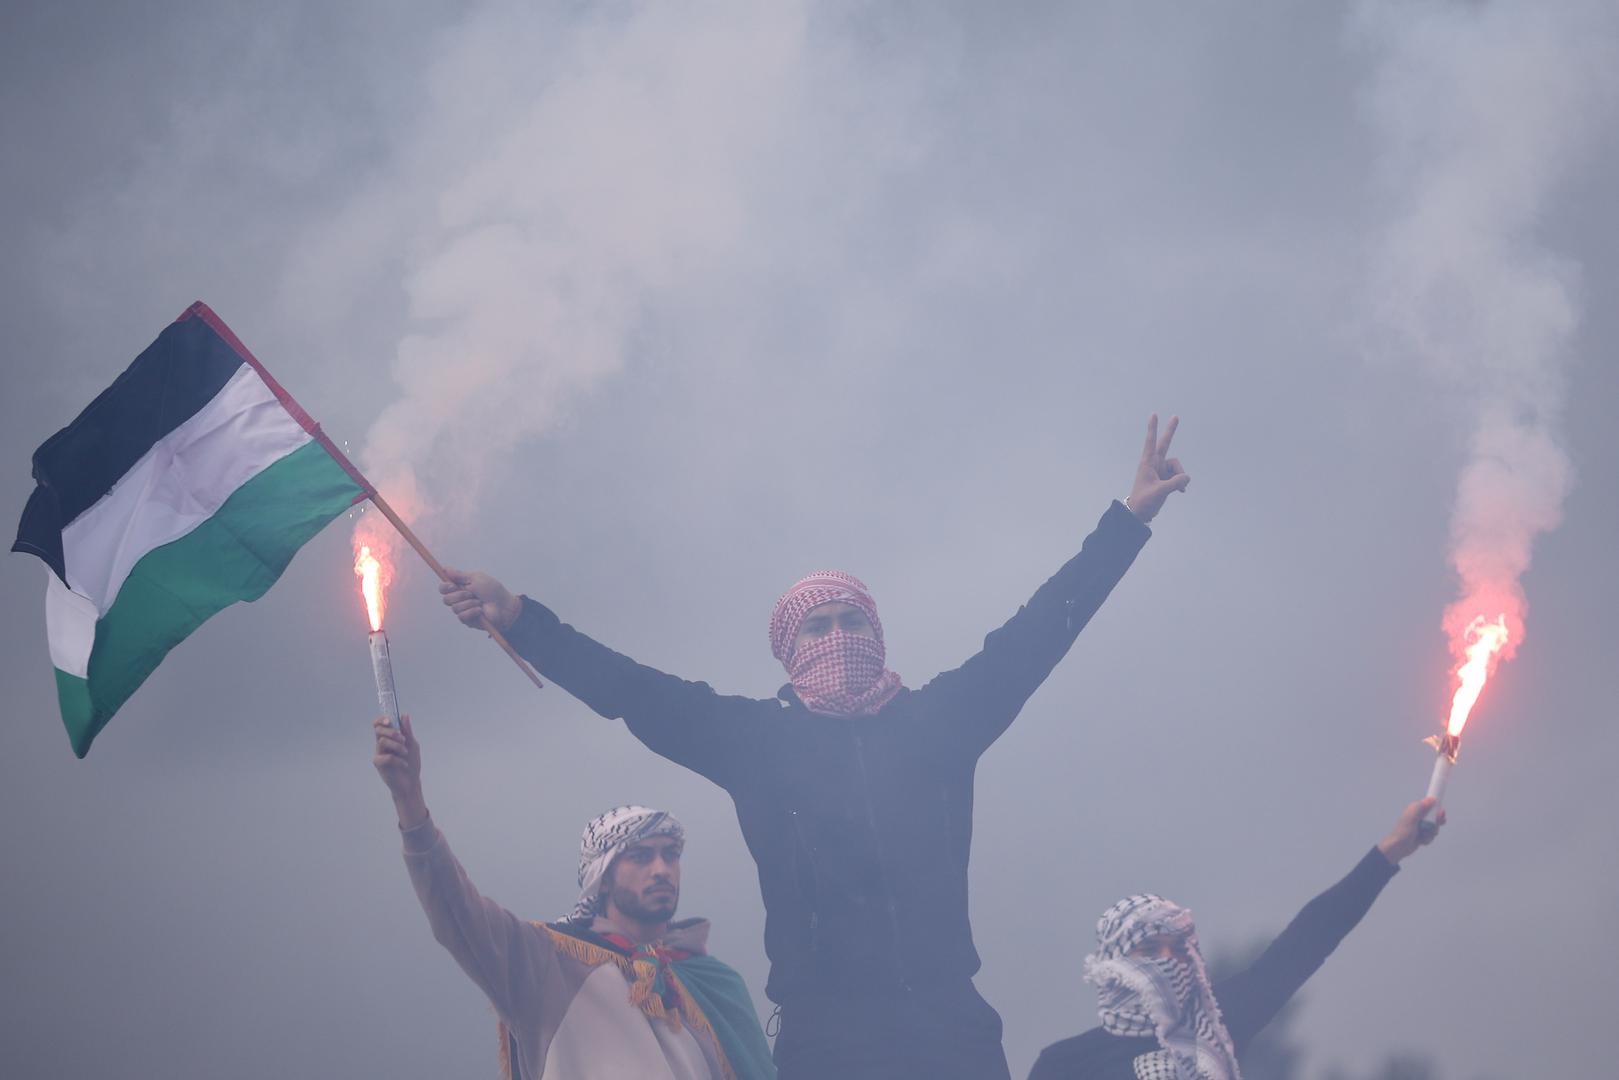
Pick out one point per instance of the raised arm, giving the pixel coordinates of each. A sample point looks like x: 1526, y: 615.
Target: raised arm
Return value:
x: 1250, y: 999
x: 508, y: 958
x: 983, y: 695
x: 687, y: 722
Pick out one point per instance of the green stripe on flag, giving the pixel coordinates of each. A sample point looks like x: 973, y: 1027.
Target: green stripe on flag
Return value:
x: 235, y: 555
x: 73, y: 694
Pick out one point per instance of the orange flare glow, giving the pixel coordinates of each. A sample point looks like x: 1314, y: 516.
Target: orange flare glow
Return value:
x: 373, y: 580
x: 1481, y: 645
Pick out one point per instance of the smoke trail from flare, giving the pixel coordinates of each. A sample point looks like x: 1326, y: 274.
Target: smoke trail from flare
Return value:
x: 590, y: 168
x: 1481, y: 110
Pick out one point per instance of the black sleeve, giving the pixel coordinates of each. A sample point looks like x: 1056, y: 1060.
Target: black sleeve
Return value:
x: 687, y: 722
x: 980, y: 698
x: 1250, y: 999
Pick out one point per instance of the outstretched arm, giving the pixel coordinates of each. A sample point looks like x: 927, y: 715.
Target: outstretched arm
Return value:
x: 687, y: 722
x: 507, y: 957
x: 1251, y: 999
x: 985, y: 694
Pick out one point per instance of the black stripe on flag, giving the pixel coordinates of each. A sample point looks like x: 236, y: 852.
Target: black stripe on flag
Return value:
x: 167, y: 384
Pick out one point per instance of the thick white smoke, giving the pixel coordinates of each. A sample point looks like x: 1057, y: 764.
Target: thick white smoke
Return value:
x: 635, y: 159
x: 1480, y: 110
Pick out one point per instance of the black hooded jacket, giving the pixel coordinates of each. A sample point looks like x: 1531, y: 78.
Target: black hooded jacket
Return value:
x: 861, y: 826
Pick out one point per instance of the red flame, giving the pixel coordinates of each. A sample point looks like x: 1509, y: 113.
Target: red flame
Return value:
x: 374, y: 564
x: 369, y: 570
x: 1480, y: 647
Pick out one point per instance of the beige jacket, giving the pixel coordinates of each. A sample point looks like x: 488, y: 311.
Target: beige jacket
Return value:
x: 574, y: 1010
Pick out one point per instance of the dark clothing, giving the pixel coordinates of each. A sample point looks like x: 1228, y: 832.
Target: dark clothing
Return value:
x: 940, y: 1030
x: 1248, y: 1000
x: 860, y: 826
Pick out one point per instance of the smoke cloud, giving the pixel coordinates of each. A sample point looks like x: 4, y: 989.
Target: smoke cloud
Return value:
x: 636, y: 161
x: 1480, y: 110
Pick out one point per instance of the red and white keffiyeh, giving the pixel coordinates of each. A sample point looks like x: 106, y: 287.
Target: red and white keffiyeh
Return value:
x: 840, y: 674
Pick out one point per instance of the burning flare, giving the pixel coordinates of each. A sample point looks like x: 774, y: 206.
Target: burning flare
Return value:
x: 374, y: 578
x: 1481, y: 646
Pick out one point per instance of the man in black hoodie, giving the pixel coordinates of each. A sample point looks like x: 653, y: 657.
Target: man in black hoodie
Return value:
x: 854, y: 793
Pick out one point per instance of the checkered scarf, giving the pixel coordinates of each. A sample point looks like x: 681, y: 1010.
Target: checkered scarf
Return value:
x: 840, y: 674
x: 603, y: 840
x: 1169, y: 999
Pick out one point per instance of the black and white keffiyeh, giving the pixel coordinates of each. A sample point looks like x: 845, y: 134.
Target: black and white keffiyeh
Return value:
x: 1168, y: 999
x: 603, y: 840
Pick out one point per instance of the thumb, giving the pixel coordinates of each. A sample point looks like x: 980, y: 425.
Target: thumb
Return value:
x: 459, y: 577
x: 405, y: 728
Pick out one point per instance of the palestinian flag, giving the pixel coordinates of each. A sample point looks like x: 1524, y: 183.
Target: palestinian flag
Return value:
x: 184, y: 487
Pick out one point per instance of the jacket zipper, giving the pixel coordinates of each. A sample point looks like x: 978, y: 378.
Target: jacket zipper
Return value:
x: 882, y: 863
x: 799, y: 842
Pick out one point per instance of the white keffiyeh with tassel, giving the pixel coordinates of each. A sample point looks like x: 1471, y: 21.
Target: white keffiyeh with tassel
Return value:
x: 1168, y: 998
x: 603, y: 840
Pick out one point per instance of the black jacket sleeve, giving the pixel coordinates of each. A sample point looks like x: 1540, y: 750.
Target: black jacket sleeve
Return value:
x: 980, y: 699
x: 687, y: 722
x: 1250, y: 999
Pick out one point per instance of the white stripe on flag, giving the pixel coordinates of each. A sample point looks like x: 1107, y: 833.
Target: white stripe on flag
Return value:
x: 179, y: 483
x: 70, y: 627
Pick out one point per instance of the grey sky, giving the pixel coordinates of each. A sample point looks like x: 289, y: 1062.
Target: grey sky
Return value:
x: 670, y: 308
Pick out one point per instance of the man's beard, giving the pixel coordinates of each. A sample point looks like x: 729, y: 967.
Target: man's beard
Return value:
x: 658, y: 908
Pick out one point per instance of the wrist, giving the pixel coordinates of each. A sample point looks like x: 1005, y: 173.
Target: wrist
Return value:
x: 411, y: 809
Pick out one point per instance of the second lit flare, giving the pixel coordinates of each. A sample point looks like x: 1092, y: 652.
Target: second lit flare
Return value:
x: 1481, y: 645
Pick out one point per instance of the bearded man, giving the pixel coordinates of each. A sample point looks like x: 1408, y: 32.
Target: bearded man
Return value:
x: 854, y: 793
x: 613, y: 991
x: 1161, y: 1017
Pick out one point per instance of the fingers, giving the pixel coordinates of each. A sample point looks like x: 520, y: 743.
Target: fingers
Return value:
x: 1162, y: 489
x: 1417, y: 810
x: 1151, y: 447
x: 1162, y: 446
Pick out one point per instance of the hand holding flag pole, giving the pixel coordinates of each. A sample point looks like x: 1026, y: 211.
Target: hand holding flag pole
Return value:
x: 371, y: 493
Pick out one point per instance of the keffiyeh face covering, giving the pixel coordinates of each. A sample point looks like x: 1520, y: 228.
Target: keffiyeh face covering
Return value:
x: 840, y: 674
x: 603, y: 841
x: 1168, y: 999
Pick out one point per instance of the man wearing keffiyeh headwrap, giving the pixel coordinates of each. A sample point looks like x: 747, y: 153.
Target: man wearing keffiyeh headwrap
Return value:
x: 1161, y: 1018
x: 826, y: 633
x: 854, y: 792
x: 616, y: 989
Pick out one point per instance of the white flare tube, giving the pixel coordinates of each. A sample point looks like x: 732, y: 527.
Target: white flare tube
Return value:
x: 382, y: 667
x: 1446, y: 747
x: 1441, y: 776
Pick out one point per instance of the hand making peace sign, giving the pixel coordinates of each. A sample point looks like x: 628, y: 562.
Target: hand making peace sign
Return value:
x: 1156, y: 475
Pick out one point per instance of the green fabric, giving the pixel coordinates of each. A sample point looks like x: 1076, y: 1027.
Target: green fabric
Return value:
x: 235, y: 555
x: 723, y: 996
